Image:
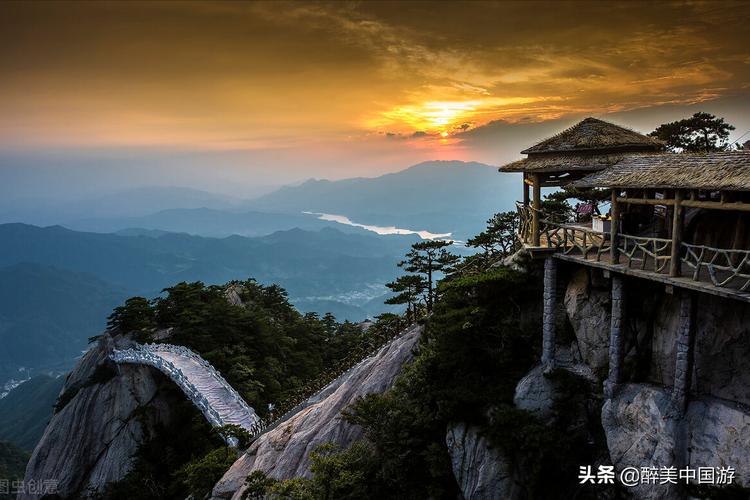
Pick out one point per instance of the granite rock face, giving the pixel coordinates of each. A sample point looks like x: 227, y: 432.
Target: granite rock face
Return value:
x: 92, y: 439
x: 722, y: 335
x: 588, y: 309
x: 638, y: 435
x: 722, y: 347
x: 641, y: 431
x: 482, y: 473
x: 283, y: 452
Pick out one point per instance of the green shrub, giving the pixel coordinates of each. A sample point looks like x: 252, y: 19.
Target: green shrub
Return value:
x: 201, y: 475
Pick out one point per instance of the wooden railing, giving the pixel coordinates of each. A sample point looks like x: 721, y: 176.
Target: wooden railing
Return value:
x: 724, y: 268
x: 655, y: 253
x: 571, y: 239
x: 525, y: 222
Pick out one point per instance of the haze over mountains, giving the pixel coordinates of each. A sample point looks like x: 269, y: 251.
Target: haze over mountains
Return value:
x: 439, y: 197
x: 58, y: 284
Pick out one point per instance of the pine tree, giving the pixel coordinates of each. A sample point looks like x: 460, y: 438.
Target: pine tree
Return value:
x: 409, y: 289
x: 329, y: 321
x: 428, y: 258
x: 500, y: 235
x: 702, y: 132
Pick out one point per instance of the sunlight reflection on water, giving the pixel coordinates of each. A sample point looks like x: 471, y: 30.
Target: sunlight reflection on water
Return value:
x: 341, y: 219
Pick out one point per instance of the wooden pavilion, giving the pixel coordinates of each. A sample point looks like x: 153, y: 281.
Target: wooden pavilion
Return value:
x: 677, y: 219
x: 589, y: 146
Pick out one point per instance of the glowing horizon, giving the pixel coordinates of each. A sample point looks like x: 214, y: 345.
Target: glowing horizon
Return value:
x: 338, y: 89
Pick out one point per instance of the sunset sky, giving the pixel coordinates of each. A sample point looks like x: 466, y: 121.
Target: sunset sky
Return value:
x: 232, y: 95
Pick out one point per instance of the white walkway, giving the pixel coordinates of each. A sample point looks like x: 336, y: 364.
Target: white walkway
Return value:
x: 201, y: 383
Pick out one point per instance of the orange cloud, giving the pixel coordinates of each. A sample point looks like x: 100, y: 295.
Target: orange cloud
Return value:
x: 226, y: 75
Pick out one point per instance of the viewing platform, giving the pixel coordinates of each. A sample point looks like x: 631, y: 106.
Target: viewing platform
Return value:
x: 718, y: 271
x: 676, y: 218
x: 679, y: 219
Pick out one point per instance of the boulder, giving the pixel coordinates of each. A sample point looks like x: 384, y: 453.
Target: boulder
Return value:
x: 535, y: 393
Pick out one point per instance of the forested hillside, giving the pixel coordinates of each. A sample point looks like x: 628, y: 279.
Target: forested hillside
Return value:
x: 25, y: 412
x: 57, y: 286
x: 267, y: 350
x: 12, y: 466
x: 47, y: 315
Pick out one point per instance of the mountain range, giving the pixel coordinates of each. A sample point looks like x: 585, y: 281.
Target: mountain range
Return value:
x: 437, y: 196
x: 57, y: 286
x: 47, y: 315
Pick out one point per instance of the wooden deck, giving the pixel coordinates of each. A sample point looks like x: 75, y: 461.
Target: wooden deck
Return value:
x: 703, y: 285
x: 725, y: 273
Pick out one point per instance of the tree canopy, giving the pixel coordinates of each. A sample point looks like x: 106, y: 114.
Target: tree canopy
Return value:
x: 702, y: 132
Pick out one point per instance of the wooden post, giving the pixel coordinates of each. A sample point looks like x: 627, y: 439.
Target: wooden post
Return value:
x: 670, y: 211
x: 614, y: 213
x: 678, y: 216
x: 525, y: 191
x: 535, y: 236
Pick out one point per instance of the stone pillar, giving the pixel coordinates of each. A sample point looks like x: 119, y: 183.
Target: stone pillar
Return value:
x: 684, y: 353
x: 616, y: 336
x: 550, y: 308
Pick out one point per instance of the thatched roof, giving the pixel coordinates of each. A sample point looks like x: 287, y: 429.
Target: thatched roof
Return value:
x: 565, y: 163
x: 716, y: 171
x: 593, y: 135
x: 590, y: 145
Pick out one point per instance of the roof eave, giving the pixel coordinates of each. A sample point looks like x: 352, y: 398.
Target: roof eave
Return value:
x: 622, y: 148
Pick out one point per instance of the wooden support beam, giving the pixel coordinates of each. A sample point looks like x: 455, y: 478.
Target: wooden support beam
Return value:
x: 685, y: 352
x: 645, y: 201
x: 537, y: 207
x: 614, y: 213
x: 717, y: 205
x: 525, y: 191
x: 678, y: 219
x: 711, y: 205
x: 616, y: 336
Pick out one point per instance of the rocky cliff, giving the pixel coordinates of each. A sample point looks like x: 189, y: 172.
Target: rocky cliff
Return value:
x: 101, y: 423
x: 104, y: 413
x: 283, y: 452
x: 641, y: 425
